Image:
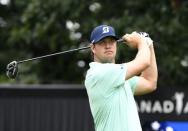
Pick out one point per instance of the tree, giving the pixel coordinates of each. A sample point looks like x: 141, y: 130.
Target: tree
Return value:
x: 37, y: 28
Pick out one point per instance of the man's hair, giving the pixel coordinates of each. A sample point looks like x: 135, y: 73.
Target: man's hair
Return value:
x: 92, y: 54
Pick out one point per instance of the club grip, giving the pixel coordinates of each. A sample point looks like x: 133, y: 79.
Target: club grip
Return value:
x: 120, y: 40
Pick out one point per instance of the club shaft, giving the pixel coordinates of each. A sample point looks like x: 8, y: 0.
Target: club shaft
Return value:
x: 53, y: 54
x: 120, y: 40
x: 58, y: 53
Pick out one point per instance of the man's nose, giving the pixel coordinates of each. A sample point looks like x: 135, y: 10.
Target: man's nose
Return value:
x: 107, y: 44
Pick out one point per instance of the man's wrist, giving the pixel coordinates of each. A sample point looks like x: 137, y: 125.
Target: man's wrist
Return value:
x: 142, y: 43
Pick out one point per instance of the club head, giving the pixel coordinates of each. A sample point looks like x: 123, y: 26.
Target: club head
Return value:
x: 12, y: 70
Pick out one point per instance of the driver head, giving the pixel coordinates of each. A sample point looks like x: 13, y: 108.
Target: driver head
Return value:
x: 12, y: 69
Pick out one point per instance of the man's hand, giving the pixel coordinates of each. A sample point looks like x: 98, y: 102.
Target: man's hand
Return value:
x: 134, y: 39
x: 147, y: 38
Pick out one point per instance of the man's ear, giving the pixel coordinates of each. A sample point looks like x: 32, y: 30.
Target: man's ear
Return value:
x: 92, y: 48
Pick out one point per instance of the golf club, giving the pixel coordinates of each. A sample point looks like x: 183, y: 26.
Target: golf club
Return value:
x: 12, y: 67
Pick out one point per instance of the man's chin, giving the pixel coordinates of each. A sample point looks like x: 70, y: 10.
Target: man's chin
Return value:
x: 107, y: 60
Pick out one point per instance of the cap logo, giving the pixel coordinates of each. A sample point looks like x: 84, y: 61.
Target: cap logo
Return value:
x: 105, y: 30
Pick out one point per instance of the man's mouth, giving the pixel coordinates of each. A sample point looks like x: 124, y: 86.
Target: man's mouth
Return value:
x: 108, y: 52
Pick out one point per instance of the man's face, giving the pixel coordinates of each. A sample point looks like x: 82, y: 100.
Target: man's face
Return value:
x: 105, y: 50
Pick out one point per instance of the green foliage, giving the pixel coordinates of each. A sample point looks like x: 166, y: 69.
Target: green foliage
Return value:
x: 38, y: 27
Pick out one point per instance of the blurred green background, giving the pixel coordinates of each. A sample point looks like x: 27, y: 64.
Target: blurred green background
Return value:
x: 30, y: 28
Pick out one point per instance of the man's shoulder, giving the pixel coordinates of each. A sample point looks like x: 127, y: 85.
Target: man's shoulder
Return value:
x: 106, y: 68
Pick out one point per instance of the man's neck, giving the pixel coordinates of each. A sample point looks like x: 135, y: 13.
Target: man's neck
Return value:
x: 104, y: 61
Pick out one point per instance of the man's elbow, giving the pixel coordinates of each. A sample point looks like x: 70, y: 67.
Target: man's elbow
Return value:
x: 153, y: 86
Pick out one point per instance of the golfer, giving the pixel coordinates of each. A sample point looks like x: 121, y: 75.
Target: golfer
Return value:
x: 111, y: 87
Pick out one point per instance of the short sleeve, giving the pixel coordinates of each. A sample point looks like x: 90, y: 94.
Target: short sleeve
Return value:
x: 133, y: 83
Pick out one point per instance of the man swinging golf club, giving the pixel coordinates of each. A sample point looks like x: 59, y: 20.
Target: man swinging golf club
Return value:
x: 111, y: 87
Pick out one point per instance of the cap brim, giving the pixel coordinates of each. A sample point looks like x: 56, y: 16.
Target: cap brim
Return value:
x: 104, y: 36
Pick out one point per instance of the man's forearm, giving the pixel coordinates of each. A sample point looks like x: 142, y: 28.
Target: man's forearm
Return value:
x: 144, y: 55
x: 142, y: 59
x: 151, y: 73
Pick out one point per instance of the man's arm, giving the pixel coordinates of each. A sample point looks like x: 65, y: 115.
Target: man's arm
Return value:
x: 148, y: 78
x: 142, y: 59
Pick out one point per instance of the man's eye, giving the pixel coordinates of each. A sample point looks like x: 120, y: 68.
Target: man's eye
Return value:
x: 101, y: 42
x: 112, y: 40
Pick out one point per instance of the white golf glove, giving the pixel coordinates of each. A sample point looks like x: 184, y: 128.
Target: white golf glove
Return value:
x: 146, y: 37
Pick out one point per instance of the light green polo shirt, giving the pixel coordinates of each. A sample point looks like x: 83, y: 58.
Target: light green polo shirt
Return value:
x: 111, y: 98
